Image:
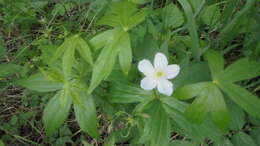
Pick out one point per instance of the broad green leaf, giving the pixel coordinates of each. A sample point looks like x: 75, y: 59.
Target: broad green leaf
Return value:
x: 210, y: 100
x: 38, y: 82
x: 84, y: 50
x: 198, y: 111
x: 174, y: 103
x: 160, y: 131
x: 101, y: 39
x: 216, y: 63
x: 241, y: 70
x: 125, y: 53
x: 68, y: 62
x: 194, y: 131
x: 56, y: 113
x: 242, y: 139
x: 237, y: 116
x: 192, y: 27
x: 127, y: 93
x: 190, y: 90
x: 10, y: 69
x: 172, y: 16
x: 217, y: 107
x: 85, y: 113
x: 249, y: 102
x: 106, y: 60
x: 255, y: 134
x: 200, y: 73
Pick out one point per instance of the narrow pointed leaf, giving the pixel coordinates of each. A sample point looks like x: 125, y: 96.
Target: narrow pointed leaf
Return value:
x: 241, y: 70
x: 125, y: 53
x: 61, y: 49
x: 55, y: 113
x: 68, y: 62
x: 249, y: 102
x: 216, y: 62
x: 192, y: 27
x: 190, y: 90
x: 106, y: 60
x: 38, y: 82
x: 84, y: 50
x: 160, y: 132
x: 86, y: 115
x: 101, y: 39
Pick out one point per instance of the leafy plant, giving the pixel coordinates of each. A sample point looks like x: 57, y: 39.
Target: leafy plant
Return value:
x: 85, y: 69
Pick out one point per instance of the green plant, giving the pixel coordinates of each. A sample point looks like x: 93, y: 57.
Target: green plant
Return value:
x: 91, y: 57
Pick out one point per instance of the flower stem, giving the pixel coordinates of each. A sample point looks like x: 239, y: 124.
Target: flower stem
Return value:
x: 155, y: 94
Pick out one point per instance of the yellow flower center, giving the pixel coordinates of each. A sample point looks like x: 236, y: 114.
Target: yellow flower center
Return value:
x: 159, y: 74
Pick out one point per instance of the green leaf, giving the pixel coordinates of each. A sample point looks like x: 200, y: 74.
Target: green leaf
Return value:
x: 84, y: 50
x: 249, y: 102
x: 172, y: 16
x: 190, y: 90
x: 125, y: 53
x: 207, y: 129
x: 124, y: 15
x: 38, y: 82
x: 85, y: 113
x: 137, y: 18
x: 56, y: 113
x: 160, y: 132
x: 101, y: 39
x: 216, y: 62
x: 106, y: 60
x: 68, y: 43
x: 241, y: 70
x: 174, y: 103
x: 237, y: 116
x: 231, y: 29
x: 127, y: 93
x: 68, y: 62
x: 192, y: 27
x: 200, y: 73
x: 224, y: 143
x: 10, y: 69
x: 242, y: 139
x: 181, y: 143
x: 210, y: 100
x: 196, y: 4
x: 211, y: 15
x: 255, y: 134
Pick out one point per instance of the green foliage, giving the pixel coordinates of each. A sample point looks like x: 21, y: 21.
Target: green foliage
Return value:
x: 77, y: 62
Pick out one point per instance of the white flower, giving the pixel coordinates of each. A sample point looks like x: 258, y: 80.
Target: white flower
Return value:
x: 158, y: 75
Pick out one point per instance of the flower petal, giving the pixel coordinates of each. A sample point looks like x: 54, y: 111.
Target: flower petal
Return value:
x: 146, y: 67
x: 148, y: 83
x: 172, y: 71
x: 165, y: 87
x: 160, y: 61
